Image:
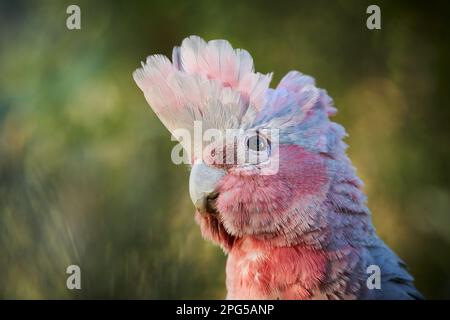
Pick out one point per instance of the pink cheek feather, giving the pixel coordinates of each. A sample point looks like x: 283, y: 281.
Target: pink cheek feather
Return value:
x: 255, y: 201
x: 253, y: 204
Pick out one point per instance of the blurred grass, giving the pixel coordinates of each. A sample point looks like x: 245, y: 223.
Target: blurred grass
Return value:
x: 85, y: 170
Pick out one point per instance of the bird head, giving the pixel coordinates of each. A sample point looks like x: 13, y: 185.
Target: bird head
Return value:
x: 270, y: 178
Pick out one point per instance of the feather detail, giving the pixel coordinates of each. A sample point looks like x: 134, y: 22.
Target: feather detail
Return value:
x: 304, y: 232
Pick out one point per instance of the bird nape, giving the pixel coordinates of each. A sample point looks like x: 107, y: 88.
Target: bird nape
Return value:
x: 289, y: 209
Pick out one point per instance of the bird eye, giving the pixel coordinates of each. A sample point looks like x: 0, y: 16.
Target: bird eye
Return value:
x: 257, y: 143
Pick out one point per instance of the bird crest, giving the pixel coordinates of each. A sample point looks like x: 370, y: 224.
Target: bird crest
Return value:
x: 216, y: 84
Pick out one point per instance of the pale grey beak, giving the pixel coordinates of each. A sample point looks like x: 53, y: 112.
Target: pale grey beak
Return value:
x: 203, y: 183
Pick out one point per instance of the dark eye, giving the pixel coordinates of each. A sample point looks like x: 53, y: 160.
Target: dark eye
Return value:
x: 257, y: 143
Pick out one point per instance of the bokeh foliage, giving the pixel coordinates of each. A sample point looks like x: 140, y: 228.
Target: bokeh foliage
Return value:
x: 85, y: 170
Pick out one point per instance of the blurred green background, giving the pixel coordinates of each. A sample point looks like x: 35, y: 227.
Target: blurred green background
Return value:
x: 85, y: 170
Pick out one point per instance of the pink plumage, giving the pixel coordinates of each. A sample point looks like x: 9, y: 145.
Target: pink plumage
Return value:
x: 302, y: 232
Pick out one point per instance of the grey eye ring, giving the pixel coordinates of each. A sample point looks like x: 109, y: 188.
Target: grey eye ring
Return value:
x: 258, y: 143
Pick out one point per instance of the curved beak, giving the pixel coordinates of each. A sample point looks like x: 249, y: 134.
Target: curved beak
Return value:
x: 202, y: 186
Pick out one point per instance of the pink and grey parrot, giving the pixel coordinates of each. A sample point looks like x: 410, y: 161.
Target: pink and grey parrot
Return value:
x: 302, y: 231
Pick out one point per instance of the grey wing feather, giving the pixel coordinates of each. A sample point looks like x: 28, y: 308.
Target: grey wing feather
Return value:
x: 396, y: 282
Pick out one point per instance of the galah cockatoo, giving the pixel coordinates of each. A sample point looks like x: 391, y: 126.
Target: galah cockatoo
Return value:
x: 300, y: 230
